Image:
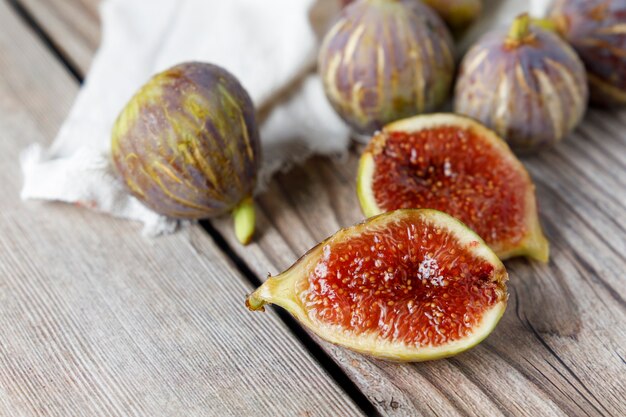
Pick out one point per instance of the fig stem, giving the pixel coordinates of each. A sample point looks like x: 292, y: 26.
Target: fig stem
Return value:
x: 520, y: 29
x: 385, y: 1
x: 244, y: 219
x: 255, y: 303
x: 545, y: 24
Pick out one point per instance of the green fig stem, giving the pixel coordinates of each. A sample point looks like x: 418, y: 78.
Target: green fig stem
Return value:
x: 520, y: 29
x: 545, y: 24
x: 278, y: 290
x: 244, y: 219
x: 255, y: 303
x: 384, y: 1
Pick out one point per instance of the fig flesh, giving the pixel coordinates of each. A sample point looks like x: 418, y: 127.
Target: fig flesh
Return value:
x: 384, y: 60
x: 597, y: 30
x: 409, y: 285
x: 187, y: 145
x: 454, y: 164
x: 527, y: 84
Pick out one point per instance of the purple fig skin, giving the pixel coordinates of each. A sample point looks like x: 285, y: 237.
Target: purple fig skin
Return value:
x: 187, y: 144
x: 531, y: 91
x: 597, y: 30
x: 384, y: 60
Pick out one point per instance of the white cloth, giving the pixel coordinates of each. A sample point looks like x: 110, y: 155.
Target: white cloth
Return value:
x: 269, y: 45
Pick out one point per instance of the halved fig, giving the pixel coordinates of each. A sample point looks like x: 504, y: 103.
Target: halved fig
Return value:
x: 409, y: 285
x: 454, y: 164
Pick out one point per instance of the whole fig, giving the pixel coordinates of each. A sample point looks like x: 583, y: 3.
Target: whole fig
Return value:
x: 528, y: 85
x: 458, y: 14
x: 384, y: 60
x: 187, y: 145
x: 597, y: 30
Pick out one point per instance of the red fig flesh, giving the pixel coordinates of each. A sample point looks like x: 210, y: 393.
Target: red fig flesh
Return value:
x: 409, y: 285
x: 454, y: 164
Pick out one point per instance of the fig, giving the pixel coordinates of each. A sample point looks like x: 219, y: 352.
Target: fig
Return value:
x: 187, y: 145
x: 409, y: 285
x: 597, y: 31
x: 458, y: 14
x: 528, y: 85
x: 384, y: 60
x: 454, y: 164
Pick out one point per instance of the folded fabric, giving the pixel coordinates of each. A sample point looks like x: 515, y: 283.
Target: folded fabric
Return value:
x: 269, y: 45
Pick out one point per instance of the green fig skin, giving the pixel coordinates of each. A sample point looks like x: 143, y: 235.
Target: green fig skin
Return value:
x: 597, y: 31
x: 384, y: 60
x: 458, y: 14
x: 187, y: 145
x: 527, y: 85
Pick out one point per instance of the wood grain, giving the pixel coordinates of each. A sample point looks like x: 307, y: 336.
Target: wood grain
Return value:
x: 99, y: 321
x: 73, y: 26
x: 559, y: 349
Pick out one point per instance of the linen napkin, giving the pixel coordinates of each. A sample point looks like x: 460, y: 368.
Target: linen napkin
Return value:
x: 270, y: 45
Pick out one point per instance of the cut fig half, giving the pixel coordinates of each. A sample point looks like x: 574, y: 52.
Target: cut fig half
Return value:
x: 408, y: 285
x: 456, y: 165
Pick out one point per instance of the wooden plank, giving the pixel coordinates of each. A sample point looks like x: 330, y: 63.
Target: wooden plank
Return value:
x: 97, y: 320
x: 559, y: 350
x: 73, y: 26
x: 559, y: 347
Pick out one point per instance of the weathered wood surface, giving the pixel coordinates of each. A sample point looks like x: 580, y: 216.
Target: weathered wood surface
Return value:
x: 559, y: 350
x: 98, y: 321
x: 73, y: 27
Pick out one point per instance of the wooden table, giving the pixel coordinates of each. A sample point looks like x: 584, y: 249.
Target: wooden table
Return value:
x: 97, y: 321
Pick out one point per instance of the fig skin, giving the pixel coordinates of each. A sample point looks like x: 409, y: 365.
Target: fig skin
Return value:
x: 458, y: 14
x: 384, y: 60
x: 187, y: 145
x: 528, y: 85
x: 284, y: 290
x: 595, y: 28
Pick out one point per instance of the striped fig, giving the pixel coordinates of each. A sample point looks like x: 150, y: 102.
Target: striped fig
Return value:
x: 384, y: 60
x: 187, y: 145
x: 597, y: 31
x: 528, y: 85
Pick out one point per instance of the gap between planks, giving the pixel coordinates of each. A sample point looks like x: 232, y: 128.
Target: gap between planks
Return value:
x: 526, y: 385
x: 322, y: 358
x: 48, y: 41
